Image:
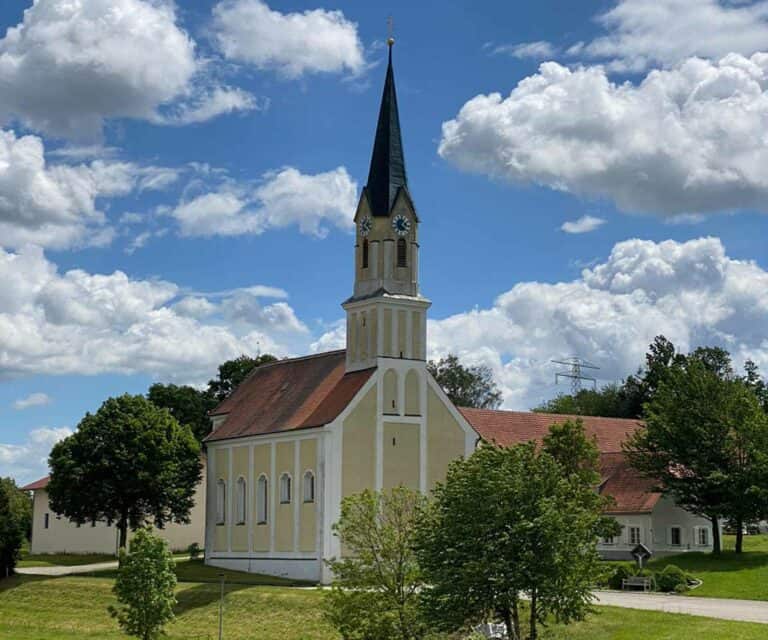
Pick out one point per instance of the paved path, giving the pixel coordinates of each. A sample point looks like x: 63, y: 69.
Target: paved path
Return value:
x: 726, y: 609
x: 58, y: 570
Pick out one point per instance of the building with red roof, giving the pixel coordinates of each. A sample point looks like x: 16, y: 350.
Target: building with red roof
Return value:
x: 299, y: 435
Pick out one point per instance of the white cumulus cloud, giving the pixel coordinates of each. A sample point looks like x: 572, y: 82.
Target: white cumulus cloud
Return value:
x: 585, y: 224
x: 287, y: 197
x: 38, y: 399
x: 71, y: 64
x: 685, y: 140
x: 313, y: 41
x: 538, y: 50
x: 28, y: 461
x: 642, y: 33
x: 55, y: 205
x: 83, y: 323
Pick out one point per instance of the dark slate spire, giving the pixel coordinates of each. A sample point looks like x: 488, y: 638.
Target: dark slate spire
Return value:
x: 387, y: 173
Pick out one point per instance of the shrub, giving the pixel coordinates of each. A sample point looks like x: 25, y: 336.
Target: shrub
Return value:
x: 194, y: 551
x: 620, y: 572
x: 672, y: 578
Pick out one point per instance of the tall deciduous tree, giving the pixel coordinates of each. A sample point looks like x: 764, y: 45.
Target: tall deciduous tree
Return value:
x: 130, y: 463
x: 21, y: 504
x: 466, y: 386
x: 509, y: 522
x: 706, y: 442
x: 188, y: 405
x: 145, y: 587
x: 375, y: 594
x: 233, y: 372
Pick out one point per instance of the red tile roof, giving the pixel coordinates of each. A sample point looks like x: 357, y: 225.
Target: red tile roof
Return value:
x: 512, y: 427
x: 42, y: 483
x: 632, y: 493
x: 289, y: 394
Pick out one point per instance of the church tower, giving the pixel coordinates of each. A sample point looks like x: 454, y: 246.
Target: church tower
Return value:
x: 386, y: 315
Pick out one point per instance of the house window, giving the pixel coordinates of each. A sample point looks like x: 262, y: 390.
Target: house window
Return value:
x: 262, y: 500
x: 309, y: 486
x: 46, y: 520
x: 608, y: 540
x: 634, y: 535
x: 702, y: 536
x: 402, y: 253
x: 221, y: 501
x: 675, y: 536
x: 365, y: 253
x: 285, y: 489
x: 242, y: 498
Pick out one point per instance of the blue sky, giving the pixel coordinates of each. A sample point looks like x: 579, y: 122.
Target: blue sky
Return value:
x: 177, y: 184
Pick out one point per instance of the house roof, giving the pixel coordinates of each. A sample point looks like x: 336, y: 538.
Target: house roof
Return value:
x: 287, y: 395
x: 42, y: 483
x: 632, y: 493
x: 512, y: 427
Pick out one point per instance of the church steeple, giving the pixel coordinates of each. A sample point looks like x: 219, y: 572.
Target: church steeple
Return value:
x: 386, y: 175
x: 386, y: 314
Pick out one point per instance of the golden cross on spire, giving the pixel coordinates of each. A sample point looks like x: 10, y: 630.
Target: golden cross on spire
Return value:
x: 390, y: 31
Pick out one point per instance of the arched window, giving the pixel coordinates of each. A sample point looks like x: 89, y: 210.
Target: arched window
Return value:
x: 285, y: 489
x: 242, y: 500
x: 390, y: 392
x: 262, y: 488
x: 365, y: 253
x: 402, y: 253
x: 221, y: 502
x: 412, y: 394
x: 309, y: 486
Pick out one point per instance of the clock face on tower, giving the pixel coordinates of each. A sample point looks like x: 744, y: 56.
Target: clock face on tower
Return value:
x: 366, y: 224
x: 401, y: 225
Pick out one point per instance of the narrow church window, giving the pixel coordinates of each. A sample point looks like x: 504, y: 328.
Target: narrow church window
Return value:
x: 309, y: 486
x: 285, y: 489
x: 47, y: 520
x: 261, y: 500
x: 402, y: 253
x: 365, y: 253
x: 221, y: 500
x: 241, y: 500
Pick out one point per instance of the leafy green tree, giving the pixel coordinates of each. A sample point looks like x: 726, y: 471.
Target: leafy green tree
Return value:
x: 233, y: 372
x: 145, y: 587
x: 608, y: 401
x: 466, y: 386
x: 509, y: 522
x: 188, y: 405
x: 375, y: 593
x: 706, y: 443
x: 130, y: 463
x: 756, y: 383
x: 21, y: 503
x: 12, y: 527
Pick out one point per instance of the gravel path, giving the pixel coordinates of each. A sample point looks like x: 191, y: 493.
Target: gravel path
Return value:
x: 66, y: 571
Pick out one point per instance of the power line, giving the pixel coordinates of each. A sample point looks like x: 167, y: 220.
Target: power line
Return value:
x: 575, y: 365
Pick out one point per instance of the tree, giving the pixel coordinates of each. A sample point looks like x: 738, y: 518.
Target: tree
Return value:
x: 609, y: 401
x: 706, y: 443
x: 12, y: 527
x: 755, y: 382
x: 233, y: 372
x: 21, y: 503
x: 466, y: 386
x: 375, y: 594
x: 188, y: 405
x: 130, y: 463
x: 145, y: 586
x: 509, y: 522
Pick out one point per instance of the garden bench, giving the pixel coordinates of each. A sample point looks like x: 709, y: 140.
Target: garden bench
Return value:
x: 636, y: 581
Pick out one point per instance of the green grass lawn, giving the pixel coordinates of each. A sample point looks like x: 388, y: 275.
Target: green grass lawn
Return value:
x: 62, y: 559
x: 38, y: 608
x: 730, y: 575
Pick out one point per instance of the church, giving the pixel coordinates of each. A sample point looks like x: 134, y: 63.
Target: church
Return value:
x: 299, y: 435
